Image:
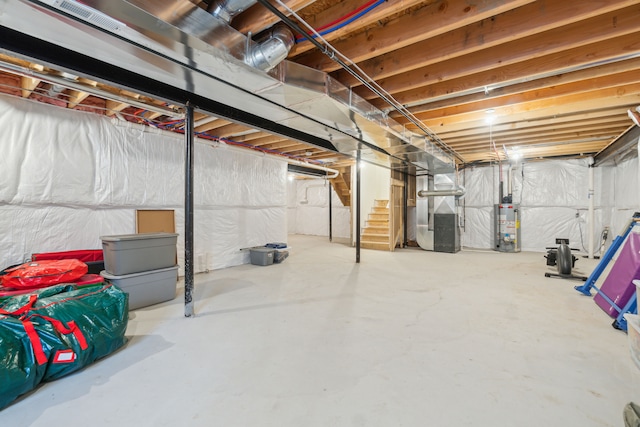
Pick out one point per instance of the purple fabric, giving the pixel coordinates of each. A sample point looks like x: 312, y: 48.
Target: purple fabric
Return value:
x: 618, y: 285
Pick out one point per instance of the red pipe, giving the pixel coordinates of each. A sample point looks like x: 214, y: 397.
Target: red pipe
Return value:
x: 342, y: 18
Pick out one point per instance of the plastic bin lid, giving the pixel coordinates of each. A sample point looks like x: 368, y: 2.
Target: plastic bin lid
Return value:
x: 276, y: 245
x: 106, y: 275
x: 139, y: 236
x: 262, y: 249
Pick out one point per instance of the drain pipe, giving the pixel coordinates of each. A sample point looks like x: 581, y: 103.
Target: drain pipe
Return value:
x: 305, y: 201
x: 358, y: 186
x: 591, y: 208
x: 330, y: 215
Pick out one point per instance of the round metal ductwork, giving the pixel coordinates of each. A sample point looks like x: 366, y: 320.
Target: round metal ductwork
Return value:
x: 457, y: 192
x: 270, y: 52
x: 227, y: 9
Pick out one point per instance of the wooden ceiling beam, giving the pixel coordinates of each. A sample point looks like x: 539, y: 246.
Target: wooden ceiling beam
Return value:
x: 586, y: 76
x: 342, y: 8
x: 28, y: 85
x: 303, y: 150
x: 212, y: 125
x: 199, y: 116
x: 484, y: 139
x: 257, y: 18
x: 429, y: 21
x: 530, y: 19
x: 618, y: 96
x: 115, y: 107
x: 548, y: 93
x: 535, y: 132
x: 602, y: 41
x: 576, y: 149
x: 591, y: 54
x: 259, y: 142
x: 596, y: 118
x: 231, y: 129
x: 555, y: 138
x: 287, y: 143
x: 75, y: 97
x: 203, y: 119
x: 251, y: 137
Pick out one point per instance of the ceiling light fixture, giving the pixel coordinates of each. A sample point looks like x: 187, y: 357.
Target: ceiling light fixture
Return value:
x: 490, y: 116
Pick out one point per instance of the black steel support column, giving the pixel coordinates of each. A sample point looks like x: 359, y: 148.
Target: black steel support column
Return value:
x: 330, y: 215
x: 405, y: 219
x: 358, y: 207
x: 188, y: 212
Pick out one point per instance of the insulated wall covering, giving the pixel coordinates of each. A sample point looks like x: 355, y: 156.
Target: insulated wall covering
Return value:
x: 626, y: 193
x: 70, y: 177
x: 312, y: 217
x: 550, y: 195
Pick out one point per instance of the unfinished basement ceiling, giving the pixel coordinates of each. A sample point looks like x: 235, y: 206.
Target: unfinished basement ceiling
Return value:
x: 491, y: 79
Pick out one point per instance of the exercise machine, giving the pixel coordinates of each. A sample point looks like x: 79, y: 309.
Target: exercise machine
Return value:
x: 563, y: 259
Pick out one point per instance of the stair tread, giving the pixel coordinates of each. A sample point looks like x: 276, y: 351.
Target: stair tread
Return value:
x: 376, y: 231
x: 375, y: 246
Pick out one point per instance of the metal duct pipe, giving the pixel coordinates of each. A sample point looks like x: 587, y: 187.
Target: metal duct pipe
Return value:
x: 458, y: 192
x: 227, y: 9
x: 267, y: 54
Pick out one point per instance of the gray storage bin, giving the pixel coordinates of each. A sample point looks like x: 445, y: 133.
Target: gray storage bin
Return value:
x: 280, y: 256
x: 133, y: 253
x: 262, y: 256
x: 147, y: 288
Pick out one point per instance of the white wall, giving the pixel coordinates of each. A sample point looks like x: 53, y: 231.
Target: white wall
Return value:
x: 550, y: 194
x: 69, y: 177
x: 374, y: 185
x: 312, y: 218
x: 626, y: 193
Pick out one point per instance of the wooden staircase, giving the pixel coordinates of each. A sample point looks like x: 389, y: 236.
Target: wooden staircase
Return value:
x: 375, y: 235
x: 342, y: 185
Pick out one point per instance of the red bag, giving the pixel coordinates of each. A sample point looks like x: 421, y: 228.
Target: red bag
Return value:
x: 40, y: 274
x: 84, y: 255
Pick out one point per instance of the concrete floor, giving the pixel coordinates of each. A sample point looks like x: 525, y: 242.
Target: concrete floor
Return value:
x: 408, y: 338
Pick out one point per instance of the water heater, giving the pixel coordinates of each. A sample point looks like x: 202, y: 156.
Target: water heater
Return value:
x: 507, y: 227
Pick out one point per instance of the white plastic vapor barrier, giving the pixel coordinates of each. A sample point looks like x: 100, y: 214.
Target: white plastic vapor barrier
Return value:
x: 25, y: 230
x: 554, y: 200
x: 69, y: 177
x: 308, y: 211
x: 626, y: 193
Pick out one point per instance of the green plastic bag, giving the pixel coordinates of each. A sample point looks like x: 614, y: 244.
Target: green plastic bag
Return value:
x: 55, y: 331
